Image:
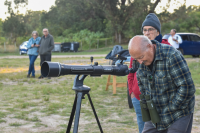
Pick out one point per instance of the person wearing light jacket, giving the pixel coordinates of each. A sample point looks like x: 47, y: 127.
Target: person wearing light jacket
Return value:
x: 174, y: 39
x: 32, y: 46
x: 151, y: 28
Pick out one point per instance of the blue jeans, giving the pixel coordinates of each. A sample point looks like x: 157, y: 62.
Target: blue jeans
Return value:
x: 136, y: 104
x: 32, y: 59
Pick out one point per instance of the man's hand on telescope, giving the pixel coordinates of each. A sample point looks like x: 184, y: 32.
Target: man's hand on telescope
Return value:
x: 132, y: 95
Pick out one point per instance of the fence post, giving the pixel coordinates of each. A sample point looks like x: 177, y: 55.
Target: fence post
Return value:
x: 97, y: 43
x: 15, y: 47
x: 4, y: 46
x: 81, y: 45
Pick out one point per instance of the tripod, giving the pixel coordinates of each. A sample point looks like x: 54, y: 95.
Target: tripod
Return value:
x: 80, y: 90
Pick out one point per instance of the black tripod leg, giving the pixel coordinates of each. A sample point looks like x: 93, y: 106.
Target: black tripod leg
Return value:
x: 72, y: 115
x: 78, y: 109
x: 95, y: 113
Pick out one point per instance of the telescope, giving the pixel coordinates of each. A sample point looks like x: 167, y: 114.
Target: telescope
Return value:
x: 56, y: 69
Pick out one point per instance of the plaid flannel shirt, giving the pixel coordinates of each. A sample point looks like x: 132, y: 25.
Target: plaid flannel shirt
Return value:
x: 171, y: 87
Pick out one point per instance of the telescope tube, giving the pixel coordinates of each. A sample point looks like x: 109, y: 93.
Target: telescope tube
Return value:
x: 55, y: 69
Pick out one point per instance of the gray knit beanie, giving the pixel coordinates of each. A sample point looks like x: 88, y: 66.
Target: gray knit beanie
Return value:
x: 152, y: 20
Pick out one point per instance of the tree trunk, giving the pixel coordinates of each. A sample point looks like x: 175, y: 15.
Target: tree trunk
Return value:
x: 116, y: 36
x: 120, y: 38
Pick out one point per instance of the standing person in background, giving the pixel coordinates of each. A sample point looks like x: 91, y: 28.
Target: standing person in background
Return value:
x: 151, y: 28
x: 174, y: 39
x: 46, y: 46
x: 32, y: 46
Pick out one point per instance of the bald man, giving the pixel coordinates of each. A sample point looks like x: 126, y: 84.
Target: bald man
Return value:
x: 164, y: 75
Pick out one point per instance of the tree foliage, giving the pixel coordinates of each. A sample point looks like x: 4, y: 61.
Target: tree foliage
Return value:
x: 85, y: 19
x: 14, y: 25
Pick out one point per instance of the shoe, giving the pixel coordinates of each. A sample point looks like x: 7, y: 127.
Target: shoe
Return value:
x: 28, y: 76
x: 41, y: 77
x: 32, y: 76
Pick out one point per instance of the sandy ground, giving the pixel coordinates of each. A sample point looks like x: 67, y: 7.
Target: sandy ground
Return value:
x: 53, y: 121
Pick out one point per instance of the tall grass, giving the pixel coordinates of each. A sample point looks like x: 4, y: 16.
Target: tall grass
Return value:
x: 9, y: 49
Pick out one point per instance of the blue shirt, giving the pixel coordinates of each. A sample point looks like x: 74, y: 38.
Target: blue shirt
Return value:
x: 33, y: 50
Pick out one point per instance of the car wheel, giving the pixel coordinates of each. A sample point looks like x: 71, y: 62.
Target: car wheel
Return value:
x: 130, y: 104
x: 195, y: 56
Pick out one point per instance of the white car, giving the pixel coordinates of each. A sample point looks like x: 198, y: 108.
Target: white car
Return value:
x: 22, y: 48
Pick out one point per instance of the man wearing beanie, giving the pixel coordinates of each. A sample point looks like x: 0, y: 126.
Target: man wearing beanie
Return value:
x: 163, y: 74
x: 151, y: 28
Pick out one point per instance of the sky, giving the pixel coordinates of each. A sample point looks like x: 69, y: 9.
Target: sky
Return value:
x: 34, y: 5
x: 38, y: 5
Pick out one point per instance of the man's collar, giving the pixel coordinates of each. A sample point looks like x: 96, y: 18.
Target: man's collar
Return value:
x: 158, y: 50
x: 47, y: 36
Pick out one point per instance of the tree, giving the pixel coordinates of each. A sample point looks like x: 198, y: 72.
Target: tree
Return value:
x: 14, y: 26
x: 183, y: 19
x: 32, y: 21
x: 119, y: 12
x: 192, y: 23
x: 73, y: 16
x: 1, y: 30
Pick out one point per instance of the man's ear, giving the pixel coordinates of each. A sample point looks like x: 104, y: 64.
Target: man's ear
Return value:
x: 148, y: 45
x: 158, y: 33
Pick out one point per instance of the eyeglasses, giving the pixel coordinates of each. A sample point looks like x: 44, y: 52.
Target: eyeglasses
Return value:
x: 44, y: 31
x: 150, y: 30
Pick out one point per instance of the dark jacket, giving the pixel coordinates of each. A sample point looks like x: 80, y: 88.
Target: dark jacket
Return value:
x: 171, y: 87
x: 46, y: 45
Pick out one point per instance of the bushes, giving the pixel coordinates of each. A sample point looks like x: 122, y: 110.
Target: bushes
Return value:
x: 89, y: 40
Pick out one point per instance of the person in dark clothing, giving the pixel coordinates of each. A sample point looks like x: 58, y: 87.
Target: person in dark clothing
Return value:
x: 170, y: 87
x: 46, y: 46
x: 151, y: 28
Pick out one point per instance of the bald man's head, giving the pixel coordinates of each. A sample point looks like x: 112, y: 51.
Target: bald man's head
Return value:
x: 141, y: 49
x: 139, y: 42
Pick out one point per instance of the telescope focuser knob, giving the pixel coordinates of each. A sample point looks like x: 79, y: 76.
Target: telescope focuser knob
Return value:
x: 96, y: 64
x: 91, y: 59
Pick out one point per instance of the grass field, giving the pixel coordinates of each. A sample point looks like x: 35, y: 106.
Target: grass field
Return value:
x: 33, y: 105
x: 104, y: 50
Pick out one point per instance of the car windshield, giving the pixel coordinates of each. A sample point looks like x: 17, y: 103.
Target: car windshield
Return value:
x: 166, y: 36
x: 25, y: 43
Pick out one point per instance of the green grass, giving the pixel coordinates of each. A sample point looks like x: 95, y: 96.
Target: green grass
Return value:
x: 33, y: 100
x: 2, y: 121
x: 104, y: 50
x: 38, y: 124
x: 15, y: 124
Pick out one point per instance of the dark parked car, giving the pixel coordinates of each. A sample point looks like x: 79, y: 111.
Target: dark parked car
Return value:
x: 190, y: 45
